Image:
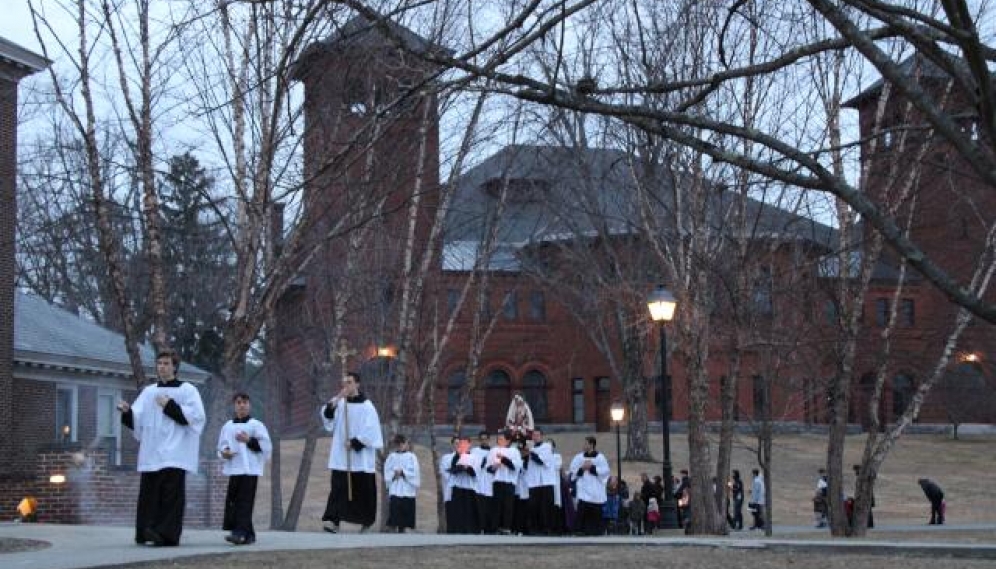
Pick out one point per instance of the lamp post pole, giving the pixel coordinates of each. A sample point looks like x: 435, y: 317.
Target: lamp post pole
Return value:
x: 618, y: 453
x: 669, y: 509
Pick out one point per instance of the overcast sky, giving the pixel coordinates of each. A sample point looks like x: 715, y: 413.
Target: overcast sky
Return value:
x: 15, y: 25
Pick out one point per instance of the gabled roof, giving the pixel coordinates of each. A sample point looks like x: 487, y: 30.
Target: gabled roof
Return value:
x: 911, y: 66
x: 46, y: 336
x: 363, y: 33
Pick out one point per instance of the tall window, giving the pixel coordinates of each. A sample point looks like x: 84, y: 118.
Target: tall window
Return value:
x: 760, y: 401
x: 577, y: 399
x: 907, y: 312
x: 65, y: 414
x: 454, y: 393
x: 881, y: 312
x: 452, y: 298
x: 762, y: 292
x: 509, y: 306
x: 831, y: 313
x: 108, y: 424
x: 902, y: 394
x: 537, y: 306
x: 534, y: 392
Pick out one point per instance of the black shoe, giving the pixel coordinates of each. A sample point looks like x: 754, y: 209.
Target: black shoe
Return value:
x: 153, y: 536
x: 331, y: 527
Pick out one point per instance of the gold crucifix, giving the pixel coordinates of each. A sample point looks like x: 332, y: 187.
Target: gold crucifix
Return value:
x: 343, y: 354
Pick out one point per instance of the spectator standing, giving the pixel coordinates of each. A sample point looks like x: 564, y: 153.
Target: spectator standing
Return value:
x: 936, y: 497
x: 757, y: 498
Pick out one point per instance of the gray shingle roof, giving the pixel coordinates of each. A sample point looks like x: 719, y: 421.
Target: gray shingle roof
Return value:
x: 50, y: 336
x: 563, y: 192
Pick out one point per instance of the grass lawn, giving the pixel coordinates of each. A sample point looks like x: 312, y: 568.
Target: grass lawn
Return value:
x: 961, y: 468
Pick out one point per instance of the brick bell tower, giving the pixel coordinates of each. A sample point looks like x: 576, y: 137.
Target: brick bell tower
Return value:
x: 371, y: 147
x: 950, y: 210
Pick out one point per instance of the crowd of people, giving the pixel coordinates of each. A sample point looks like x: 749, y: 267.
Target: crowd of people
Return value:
x: 517, y: 486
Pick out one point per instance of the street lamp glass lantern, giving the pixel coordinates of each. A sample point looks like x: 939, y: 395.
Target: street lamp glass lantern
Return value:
x: 661, y: 304
x: 618, y: 411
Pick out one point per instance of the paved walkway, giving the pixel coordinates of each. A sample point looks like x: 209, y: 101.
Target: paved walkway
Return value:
x: 76, y: 547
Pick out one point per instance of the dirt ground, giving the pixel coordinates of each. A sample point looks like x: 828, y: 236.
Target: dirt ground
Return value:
x: 637, y: 556
x: 958, y: 466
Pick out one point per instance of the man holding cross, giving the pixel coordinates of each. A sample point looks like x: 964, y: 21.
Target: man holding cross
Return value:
x: 356, y: 437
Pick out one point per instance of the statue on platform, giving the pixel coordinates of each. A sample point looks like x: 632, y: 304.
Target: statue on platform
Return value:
x: 519, y: 419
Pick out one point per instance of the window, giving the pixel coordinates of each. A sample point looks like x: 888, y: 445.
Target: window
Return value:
x: 454, y: 397
x: 452, y: 299
x: 577, y: 399
x: 831, y: 313
x: 509, y: 306
x: 881, y: 312
x: 762, y: 292
x: 907, y: 312
x: 537, y: 306
x: 902, y: 394
x: 759, y: 397
x: 109, y: 424
x: 534, y: 392
x: 65, y: 414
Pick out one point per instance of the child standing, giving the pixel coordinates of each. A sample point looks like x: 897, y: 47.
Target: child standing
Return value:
x: 401, y: 474
x: 653, y: 516
x: 244, y: 444
x: 637, y: 513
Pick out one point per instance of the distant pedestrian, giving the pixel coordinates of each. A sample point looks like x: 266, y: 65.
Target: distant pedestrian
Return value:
x: 736, y: 486
x: 637, y: 513
x: 936, y: 497
x: 757, y: 499
x: 821, y: 505
x: 653, y: 516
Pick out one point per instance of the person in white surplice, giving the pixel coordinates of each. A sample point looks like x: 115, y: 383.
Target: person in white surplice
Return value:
x: 401, y: 475
x: 356, y: 438
x: 167, y: 420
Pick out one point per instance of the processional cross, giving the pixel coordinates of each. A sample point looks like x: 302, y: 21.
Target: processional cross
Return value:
x: 343, y: 354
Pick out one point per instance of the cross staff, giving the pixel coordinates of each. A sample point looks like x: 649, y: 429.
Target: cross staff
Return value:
x: 343, y: 354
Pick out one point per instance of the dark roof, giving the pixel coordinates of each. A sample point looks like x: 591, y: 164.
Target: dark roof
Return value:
x: 363, y: 33
x: 48, y: 336
x: 563, y: 192
x: 912, y: 65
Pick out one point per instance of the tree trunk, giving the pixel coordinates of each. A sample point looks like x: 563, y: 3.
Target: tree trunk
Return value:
x: 301, y: 484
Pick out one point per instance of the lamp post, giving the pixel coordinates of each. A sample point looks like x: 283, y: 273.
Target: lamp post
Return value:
x: 662, y: 305
x: 618, y: 411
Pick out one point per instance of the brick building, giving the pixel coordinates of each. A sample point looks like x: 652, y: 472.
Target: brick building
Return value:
x: 537, y: 345
x: 68, y: 375
x: 950, y: 211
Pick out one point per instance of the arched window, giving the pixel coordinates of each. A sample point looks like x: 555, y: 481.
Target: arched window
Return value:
x: 455, y: 386
x: 498, y: 394
x: 534, y: 392
x: 902, y: 394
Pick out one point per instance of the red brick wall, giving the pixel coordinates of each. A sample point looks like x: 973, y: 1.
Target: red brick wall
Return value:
x: 8, y: 218
x: 97, y: 494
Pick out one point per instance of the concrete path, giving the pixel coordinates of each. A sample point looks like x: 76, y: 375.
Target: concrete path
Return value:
x: 76, y: 547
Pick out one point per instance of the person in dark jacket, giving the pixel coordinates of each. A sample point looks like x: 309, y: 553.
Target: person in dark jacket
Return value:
x: 936, y: 497
x: 736, y: 487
